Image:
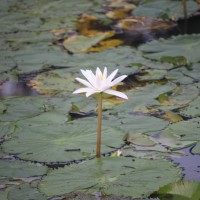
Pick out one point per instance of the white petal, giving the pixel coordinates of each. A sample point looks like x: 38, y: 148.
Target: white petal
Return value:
x: 112, y: 75
x: 81, y: 90
x: 88, y: 91
x: 91, y: 92
x: 84, y: 82
x: 118, y: 80
x: 90, y: 77
x: 98, y: 72
x: 105, y: 72
x: 116, y: 93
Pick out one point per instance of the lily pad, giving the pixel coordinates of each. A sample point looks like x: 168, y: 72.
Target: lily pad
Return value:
x: 53, y: 82
x: 21, y: 108
x: 168, y: 9
x: 192, y: 109
x: 180, y: 95
x: 25, y: 192
x: 182, y: 45
x: 6, y: 128
x: 113, y: 175
x: 172, y: 141
x: 140, y: 139
x: 181, y: 190
x: 187, y: 131
x: 61, y: 142
x: 20, y: 169
x: 80, y: 43
x: 136, y: 124
x: 176, y: 76
x: 143, y: 97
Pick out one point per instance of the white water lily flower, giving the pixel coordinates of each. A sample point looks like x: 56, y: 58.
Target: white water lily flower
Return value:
x: 100, y: 83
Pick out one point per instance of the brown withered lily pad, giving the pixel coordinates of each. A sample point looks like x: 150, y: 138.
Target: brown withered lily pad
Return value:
x: 139, y: 25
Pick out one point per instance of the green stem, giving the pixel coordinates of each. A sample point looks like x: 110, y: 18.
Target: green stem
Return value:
x: 98, y: 147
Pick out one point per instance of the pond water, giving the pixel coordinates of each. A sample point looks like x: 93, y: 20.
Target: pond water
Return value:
x: 190, y: 163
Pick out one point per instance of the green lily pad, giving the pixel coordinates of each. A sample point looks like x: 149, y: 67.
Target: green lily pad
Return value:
x: 168, y: 9
x: 177, y: 76
x: 182, y: 45
x: 52, y: 83
x: 180, y: 95
x: 152, y: 74
x: 142, y: 97
x: 140, y: 139
x: 187, y: 131
x: 7, y: 128
x: 192, y: 109
x: 21, y: 108
x: 25, y: 192
x: 61, y: 142
x: 173, y: 141
x: 150, y: 154
x: 112, y: 175
x: 136, y: 124
x: 193, y: 72
x: 181, y: 190
x: 20, y: 169
x: 82, y: 43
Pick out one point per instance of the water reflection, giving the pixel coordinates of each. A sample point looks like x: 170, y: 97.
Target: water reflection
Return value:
x: 9, y: 88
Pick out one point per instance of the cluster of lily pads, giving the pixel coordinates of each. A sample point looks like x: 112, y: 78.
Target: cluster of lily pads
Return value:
x: 57, y: 128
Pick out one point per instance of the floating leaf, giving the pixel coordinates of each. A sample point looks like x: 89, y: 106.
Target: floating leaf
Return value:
x: 112, y: 175
x: 120, y: 13
x: 182, y: 45
x: 25, y: 192
x: 164, y: 9
x: 192, y: 109
x: 181, y: 190
x: 6, y: 128
x: 135, y: 124
x: 180, y: 95
x: 21, y: 108
x: 187, y: 130
x: 88, y: 25
x: 20, y: 169
x: 80, y: 43
x: 176, y: 60
x: 152, y: 74
x: 140, y: 25
x: 143, y: 97
x: 103, y: 45
x: 172, y: 141
x: 140, y: 139
x: 53, y: 82
x: 61, y: 142
x: 172, y: 116
x: 176, y: 76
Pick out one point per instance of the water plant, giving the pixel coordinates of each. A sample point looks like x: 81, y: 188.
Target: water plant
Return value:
x: 100, y: 83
